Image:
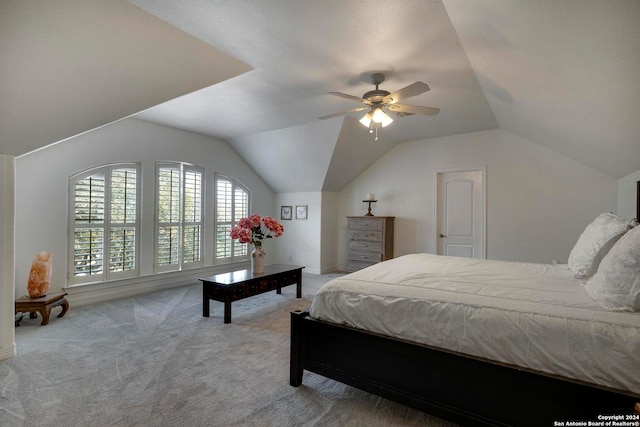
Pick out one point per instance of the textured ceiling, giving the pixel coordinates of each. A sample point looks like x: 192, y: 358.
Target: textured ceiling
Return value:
x: 70, y: 66
x: 562, y: 74
x: 300, y: 51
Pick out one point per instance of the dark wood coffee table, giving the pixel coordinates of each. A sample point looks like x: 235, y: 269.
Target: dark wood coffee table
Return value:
x: 240, y: 284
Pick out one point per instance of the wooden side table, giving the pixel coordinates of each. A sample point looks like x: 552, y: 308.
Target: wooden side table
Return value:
x: 42, y: 305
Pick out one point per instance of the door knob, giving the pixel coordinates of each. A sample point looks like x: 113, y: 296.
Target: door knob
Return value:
x: 442, y: 235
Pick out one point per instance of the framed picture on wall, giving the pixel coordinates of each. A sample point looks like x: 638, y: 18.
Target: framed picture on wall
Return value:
x: 301, y: 212
x: 286, y: 212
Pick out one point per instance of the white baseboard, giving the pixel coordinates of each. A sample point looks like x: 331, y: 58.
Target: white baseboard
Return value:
x: 80, y: 295
x: 8, y: 351
x: 327, y: 270
x: 86, y: 294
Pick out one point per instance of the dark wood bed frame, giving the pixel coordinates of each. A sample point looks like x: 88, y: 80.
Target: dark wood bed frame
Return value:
x: 461, y: 388
x: 464, y: 389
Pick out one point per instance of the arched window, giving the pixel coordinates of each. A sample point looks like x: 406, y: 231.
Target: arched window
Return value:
x: 105, y: 223
x: 179, y: 216
x: 232, y: 203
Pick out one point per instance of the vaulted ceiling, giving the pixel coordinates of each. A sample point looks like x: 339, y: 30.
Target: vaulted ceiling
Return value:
x: 563, y: 74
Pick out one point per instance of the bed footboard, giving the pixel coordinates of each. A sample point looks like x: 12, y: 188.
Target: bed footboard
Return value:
x: 460, y: 388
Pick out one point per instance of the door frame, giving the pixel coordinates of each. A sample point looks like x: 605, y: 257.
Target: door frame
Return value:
x: 436, y: 232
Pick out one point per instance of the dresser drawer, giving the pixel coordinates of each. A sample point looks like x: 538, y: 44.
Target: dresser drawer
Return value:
x: 374, y: 236
x: 366, y: 224
x: 365, y: 245
x: 369, y: 241
x: 364, y: 256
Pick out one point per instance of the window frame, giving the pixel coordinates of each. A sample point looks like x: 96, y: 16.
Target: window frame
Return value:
x: 235, y: 185
x: 106, y: 226
x: 181, y: 264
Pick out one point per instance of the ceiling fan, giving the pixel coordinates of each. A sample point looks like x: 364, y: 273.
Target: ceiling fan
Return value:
x: 379, y: 102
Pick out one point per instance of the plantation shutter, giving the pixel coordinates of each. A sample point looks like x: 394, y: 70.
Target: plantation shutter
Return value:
x: 179, y: 201
x: 104, y: 203
x: 240, y: 210
x: 122, y: 235
x: 168, y: 205
x: 232, y: 203
x: 224, y: 218
x: 88, y: 248
x: 192, y: 216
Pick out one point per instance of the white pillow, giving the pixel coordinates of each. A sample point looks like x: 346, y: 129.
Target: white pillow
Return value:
x: 616, y: 284
x: 594, y: 243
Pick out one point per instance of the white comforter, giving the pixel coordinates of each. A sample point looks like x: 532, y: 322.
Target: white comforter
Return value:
x: 532, y: 315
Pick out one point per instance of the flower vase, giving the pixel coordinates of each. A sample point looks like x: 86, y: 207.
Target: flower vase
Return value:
x: 257, y: 260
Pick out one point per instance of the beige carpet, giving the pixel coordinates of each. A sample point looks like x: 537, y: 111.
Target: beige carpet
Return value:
x: 153, y: 360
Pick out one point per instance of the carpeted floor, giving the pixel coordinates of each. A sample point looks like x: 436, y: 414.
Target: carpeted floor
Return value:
x: 153, y: 360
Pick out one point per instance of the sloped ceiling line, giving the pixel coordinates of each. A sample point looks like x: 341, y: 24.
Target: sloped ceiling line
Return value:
x: 560, y: 74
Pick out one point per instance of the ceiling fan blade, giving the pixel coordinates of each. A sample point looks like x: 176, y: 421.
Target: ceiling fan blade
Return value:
x: 342, y: 113
x: 407, y: 92
x: 413, y: 109
x: 351, y: 97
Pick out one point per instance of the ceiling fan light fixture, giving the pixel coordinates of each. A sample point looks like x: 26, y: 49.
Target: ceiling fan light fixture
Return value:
x: 378, y: 115
x: 381, y: 117
x: 387, y: 120
x: 378, y: 100
x: 366, y: 119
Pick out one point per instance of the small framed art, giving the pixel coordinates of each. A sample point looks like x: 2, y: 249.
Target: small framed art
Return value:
x: 301, y: 212
x: 286, y: 212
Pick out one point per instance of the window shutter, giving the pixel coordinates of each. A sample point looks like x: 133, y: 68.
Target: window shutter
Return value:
x: 180, y: 218
x: 191, y: 240
x: 240, y: 210
x: 104, y: 223
x: 89, y: 194
x: 168, y: 205
x: 232, y: 204
x: 122, y: 236
x: 224, y: 217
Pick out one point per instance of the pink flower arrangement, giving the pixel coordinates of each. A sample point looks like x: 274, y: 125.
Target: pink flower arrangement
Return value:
x: 254, y: 229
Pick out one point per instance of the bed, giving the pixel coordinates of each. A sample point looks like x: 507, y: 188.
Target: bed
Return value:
x: 486, y: 342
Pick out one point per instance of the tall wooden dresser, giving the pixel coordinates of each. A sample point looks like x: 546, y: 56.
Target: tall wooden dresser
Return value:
x: 369, y: 240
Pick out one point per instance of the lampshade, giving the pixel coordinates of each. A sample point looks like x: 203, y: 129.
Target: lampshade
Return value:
x: 375, y: 118
x: 379, y: 116
x: 386, y: 120
x: 366, y: 120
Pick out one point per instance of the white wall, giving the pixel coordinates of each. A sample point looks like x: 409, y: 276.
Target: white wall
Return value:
x: 312, y: 242
x: 627, y: 193
x: 41, y: 189
x: 301, y: 242
x: 538, y: 202
x: 329, y: 232
x: 7, y: 295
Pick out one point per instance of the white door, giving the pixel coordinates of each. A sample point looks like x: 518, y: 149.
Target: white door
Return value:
x: 460, y: 213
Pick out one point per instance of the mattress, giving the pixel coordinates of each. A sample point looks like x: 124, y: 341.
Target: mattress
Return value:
x: 536, y: 316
